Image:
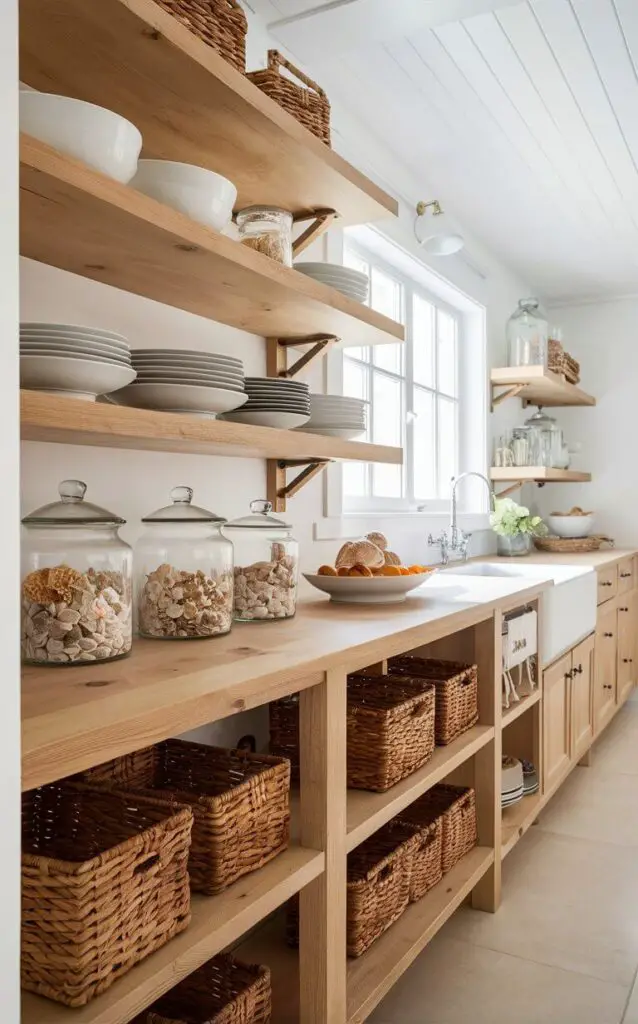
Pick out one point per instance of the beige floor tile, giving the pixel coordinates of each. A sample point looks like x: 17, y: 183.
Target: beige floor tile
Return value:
x: 567, y: 903
x: 617, y: 750
x: 595, y: 805
x: 631, y: 1013
x: 457, y: 983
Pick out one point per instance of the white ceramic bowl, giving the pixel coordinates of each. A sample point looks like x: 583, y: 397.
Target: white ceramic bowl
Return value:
x: 97, y: 136
x: 366, y: 589
x: 268, y: 418
x: 201, y: 194
x: 75, y: 342
x: 86, y: 377
x: 176, y: 397
x: 347, y: 433
x: 570, y: 526
x: 192, y: 376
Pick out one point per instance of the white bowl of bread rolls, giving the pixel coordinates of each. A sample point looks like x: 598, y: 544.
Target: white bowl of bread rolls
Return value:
x: 366, y: 571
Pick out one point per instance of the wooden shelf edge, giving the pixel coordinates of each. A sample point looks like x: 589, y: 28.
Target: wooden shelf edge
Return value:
x: 372, y: 810
x: 217, y: 921
x: 514, y: 711
x: 537, y: 474
x: 372, y: 975
x: 53, y: 418
x: 518, y: 819
x: 539, y: 385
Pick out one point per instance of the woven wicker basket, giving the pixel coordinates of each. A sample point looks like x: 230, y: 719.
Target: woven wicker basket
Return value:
x: 572, y: 545
x: 218, y: 23
x: 240, y: 803
x: 104, y: 883
x: 390, y: 729
x: 427, y: 863
x: 456, y: 692
x: 456, y: 807
x: 559, y: 361
x: 223, y: 991
x: 307, y: 102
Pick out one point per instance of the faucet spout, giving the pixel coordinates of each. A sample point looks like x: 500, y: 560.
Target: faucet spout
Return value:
x: 454, y: 539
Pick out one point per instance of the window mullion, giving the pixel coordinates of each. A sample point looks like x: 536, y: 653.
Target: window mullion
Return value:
x: 408, y: 458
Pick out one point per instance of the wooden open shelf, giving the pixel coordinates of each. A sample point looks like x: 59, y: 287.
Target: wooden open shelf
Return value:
x: 514, y: 711
x: 76, y: 219
x: 367, y: 812
x: 519, y: 475
x: 189, y: 104
x: 517, y: 819
x: 66, y: 420
x: 536, y: 386
x: 216, y: 922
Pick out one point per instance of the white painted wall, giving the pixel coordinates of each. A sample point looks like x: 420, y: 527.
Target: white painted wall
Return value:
x: 10, y: 747
x: 603, y: 338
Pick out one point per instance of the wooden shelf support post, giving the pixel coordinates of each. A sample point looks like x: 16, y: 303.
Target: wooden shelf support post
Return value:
x: 277, y: 490
x: 321, y: 220
x: 322, y: 924
x: 488, y: 657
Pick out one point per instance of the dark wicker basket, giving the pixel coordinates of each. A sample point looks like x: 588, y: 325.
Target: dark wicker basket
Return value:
x: 218, y: 23
x: 240, y: 802
x: 427, y: 863
x: 456, y: 808
x: 104, y: 883
x: 223, y: 991
x: 307, y: 102
x: 559, y: 361
x: 456, y: 692
x: 390, y: 728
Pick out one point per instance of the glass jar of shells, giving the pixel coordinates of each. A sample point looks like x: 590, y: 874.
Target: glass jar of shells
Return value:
x: 76, y: 583
x: 266, y: 565
x: 184, y: 569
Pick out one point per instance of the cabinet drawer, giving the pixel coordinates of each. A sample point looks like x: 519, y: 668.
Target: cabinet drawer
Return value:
x: 625, y: 576
x: 607, y: 583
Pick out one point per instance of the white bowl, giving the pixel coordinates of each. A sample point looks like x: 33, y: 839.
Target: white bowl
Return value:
x: 570, y: 526
x: 201, y: 194
x: 366, y: 589
x: 33, y: 327
x: 268, y: 418
x: 175, y: 397
x: 79, y: 376
x: 97, y: 136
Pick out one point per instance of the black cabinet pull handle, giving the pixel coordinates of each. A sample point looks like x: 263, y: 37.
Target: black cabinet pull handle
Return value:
x: 625, y: 575
x: 606, y: 583
x: 608, y: 634
x: 628, y: 661
x: 569, y: 675
x: 623, y: 609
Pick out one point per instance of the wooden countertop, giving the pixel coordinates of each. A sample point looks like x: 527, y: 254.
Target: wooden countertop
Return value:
x: 596, y: 559
x: 76, y: 717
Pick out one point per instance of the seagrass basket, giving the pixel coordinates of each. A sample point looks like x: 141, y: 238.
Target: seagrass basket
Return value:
x: 456, y: 692
x: 223, y: 991
x: 307, y: 102
x: 221, y: 24
x: 455, y: 806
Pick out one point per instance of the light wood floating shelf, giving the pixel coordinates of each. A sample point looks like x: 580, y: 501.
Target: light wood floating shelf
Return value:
x: 517, y: 819
x: 216, y: 922
x: 516, y: 476
x: 76, y: 219
x: 367, y: 812
x: 189, y: 104
x: 66, y: 420
x: 537, y: 386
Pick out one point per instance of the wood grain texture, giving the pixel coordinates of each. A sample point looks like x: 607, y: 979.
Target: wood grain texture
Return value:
x: 74, y: 218
x: 189, y: 104
x: 542, y: 474
x: 488, y: 658
x: 58, y: 419
x: 216, y: 922
x: 540, y: 386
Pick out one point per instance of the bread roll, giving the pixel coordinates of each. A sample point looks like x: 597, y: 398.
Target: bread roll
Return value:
x: 362, y: 551
x: 379, y: 539
x: 391, y: 558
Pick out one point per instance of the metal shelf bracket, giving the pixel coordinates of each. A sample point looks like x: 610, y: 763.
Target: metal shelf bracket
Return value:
x: 504, y: 395
x: 320, y: 220
x: 277, y: 490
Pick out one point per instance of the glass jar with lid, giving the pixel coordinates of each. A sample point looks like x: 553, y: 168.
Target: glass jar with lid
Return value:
x: 266, y: 565
x: 76, y: 582
x: 184, y: 569
x: 545, y: 440
x: 267, y: 229
x: 527, y: 332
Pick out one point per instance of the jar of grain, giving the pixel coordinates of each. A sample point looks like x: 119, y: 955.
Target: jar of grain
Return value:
x: 76, y: 582
x: 266, y: 565
x: 267, y: 229
x: 184, y: 572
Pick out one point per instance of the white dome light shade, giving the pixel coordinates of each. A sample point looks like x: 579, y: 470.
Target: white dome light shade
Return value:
x: 438, y: 236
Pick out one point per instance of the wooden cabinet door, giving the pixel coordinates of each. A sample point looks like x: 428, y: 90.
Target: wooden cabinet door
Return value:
x: 582, y: 697
x: 626, y: 580
x: 627, y: 625
x: 556, y: 723
x: 605, y: 668
x: 607, y: 583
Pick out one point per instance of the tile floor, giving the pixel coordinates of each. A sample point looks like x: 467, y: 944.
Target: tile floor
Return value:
x: 563, y: 948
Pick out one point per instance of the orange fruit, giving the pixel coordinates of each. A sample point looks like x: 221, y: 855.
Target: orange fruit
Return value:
x: 359, y: 569
x: 343, y: 570
x: 403, y: 570
x: 326, y: 570
x: 390, y: 570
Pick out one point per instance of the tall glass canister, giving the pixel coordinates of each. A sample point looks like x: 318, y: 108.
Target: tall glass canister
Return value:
x: 266, y: 565
x: 527, y: 332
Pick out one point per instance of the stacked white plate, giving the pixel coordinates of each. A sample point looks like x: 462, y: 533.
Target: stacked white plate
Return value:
x: 274, y: 402
x: 182, y: 380
x: 336, y: 416
x: 80, y: 362
x: 512, y: 786
x: 352, y: 283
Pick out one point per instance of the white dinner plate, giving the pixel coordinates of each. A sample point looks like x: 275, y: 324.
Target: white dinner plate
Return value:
x: 48, y: 328
x: 81, y: 377
x: 195, y: 382
x: 64, y: 353
x: 347, y: 433
x: 368, y: 589
x: 268, y: 418
x: 186, y: 353
x: 175, y: 397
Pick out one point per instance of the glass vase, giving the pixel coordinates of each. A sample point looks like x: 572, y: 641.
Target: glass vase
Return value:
x: 514, y: 546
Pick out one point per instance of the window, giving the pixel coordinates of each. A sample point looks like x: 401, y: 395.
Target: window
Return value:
x: 411, y: 391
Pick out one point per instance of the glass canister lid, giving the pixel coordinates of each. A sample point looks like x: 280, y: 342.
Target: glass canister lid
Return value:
x: 182, y: 511
x: 259, y: 519
x: 72, y: 509
x: 542, y: 420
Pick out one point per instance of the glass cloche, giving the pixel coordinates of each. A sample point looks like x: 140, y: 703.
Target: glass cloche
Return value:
x: 266, y: 565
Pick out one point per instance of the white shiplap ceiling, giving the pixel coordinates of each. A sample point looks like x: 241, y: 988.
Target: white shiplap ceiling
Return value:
x: 521, y: 116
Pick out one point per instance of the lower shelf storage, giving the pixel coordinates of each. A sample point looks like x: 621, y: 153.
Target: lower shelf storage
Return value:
x: 517, y: 819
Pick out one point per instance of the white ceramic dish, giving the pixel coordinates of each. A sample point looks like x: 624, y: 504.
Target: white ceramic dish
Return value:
x: 174, y: 397
x: 97, y: 136
x: 347, y: 433
x: 186, y: 353
x: 367, y: 590
x: 190, y: 381
x: 79, y: 376
x: 76, y: 344
x: 335, y: 269
x: 196, y: 365
x: 201, y: 194
x: 29, y: 326
x: 64, y: 353
x: 278, y: 382
x: 338, y: 282
x: 285, y: 396
x: 341, y: 423
x: 268, y: 418
x: 570, y: 526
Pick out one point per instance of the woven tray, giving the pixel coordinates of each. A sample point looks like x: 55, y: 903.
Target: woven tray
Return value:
x: 306, y: 102
x: 456, y: 807
x: 221, y: 24
x: 223, y: 991
x: 456, y: 692
x: 104, y: 883
x: 572, y: 545
x: 240, y: 803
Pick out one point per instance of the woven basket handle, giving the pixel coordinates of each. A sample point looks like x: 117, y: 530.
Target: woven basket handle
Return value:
x: 276, y: 61
x: 421, y: 709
